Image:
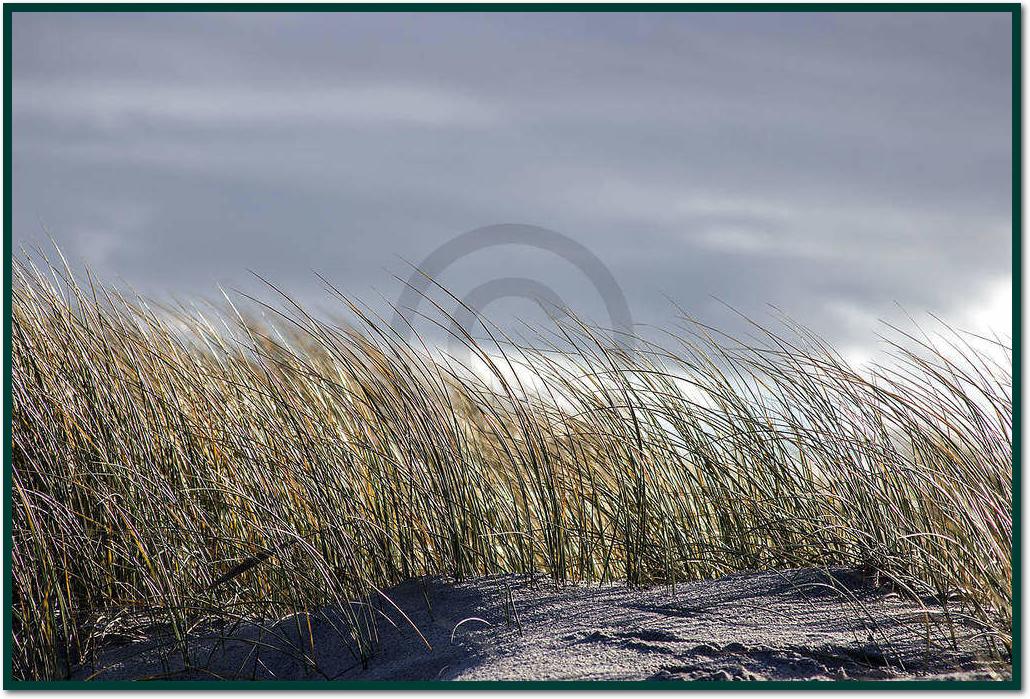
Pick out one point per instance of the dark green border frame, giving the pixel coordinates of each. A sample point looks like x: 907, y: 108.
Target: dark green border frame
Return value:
x: 1013, y: 9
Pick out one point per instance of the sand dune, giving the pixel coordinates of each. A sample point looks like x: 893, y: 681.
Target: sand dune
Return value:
x: 792, y: 624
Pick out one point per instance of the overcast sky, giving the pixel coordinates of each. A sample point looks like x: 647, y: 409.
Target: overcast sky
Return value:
x: 833, y: 165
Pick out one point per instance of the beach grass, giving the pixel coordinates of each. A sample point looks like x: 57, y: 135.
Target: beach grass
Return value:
x: 181, y: 465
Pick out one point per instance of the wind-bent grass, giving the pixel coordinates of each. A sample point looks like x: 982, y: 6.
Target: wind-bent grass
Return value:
x: 203, y: 466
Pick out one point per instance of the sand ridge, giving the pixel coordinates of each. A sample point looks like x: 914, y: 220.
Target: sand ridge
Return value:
x: 778, y: 625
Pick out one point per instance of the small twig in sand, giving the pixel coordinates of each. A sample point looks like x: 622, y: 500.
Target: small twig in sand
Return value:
x: 463, y: 621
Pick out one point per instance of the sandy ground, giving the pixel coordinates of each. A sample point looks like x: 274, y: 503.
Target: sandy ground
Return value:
x: 794, y: 624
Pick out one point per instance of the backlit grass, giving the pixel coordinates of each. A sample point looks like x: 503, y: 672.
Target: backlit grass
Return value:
x: 204, y: 464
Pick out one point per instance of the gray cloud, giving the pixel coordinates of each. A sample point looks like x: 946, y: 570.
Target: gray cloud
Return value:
x: 831, y: 164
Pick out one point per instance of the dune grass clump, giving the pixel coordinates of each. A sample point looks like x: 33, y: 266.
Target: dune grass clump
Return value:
x: 197, y: 467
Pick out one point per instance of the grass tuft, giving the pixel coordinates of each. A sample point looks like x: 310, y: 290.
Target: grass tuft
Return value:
x: 183, y: 466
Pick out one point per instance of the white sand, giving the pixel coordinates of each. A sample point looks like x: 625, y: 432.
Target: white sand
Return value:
x: 775, y: 625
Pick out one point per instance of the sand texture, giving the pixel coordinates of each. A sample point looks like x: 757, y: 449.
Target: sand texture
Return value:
x: 781, y: 625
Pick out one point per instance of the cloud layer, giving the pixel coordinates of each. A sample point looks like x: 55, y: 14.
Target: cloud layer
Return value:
x: 832, y: 165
